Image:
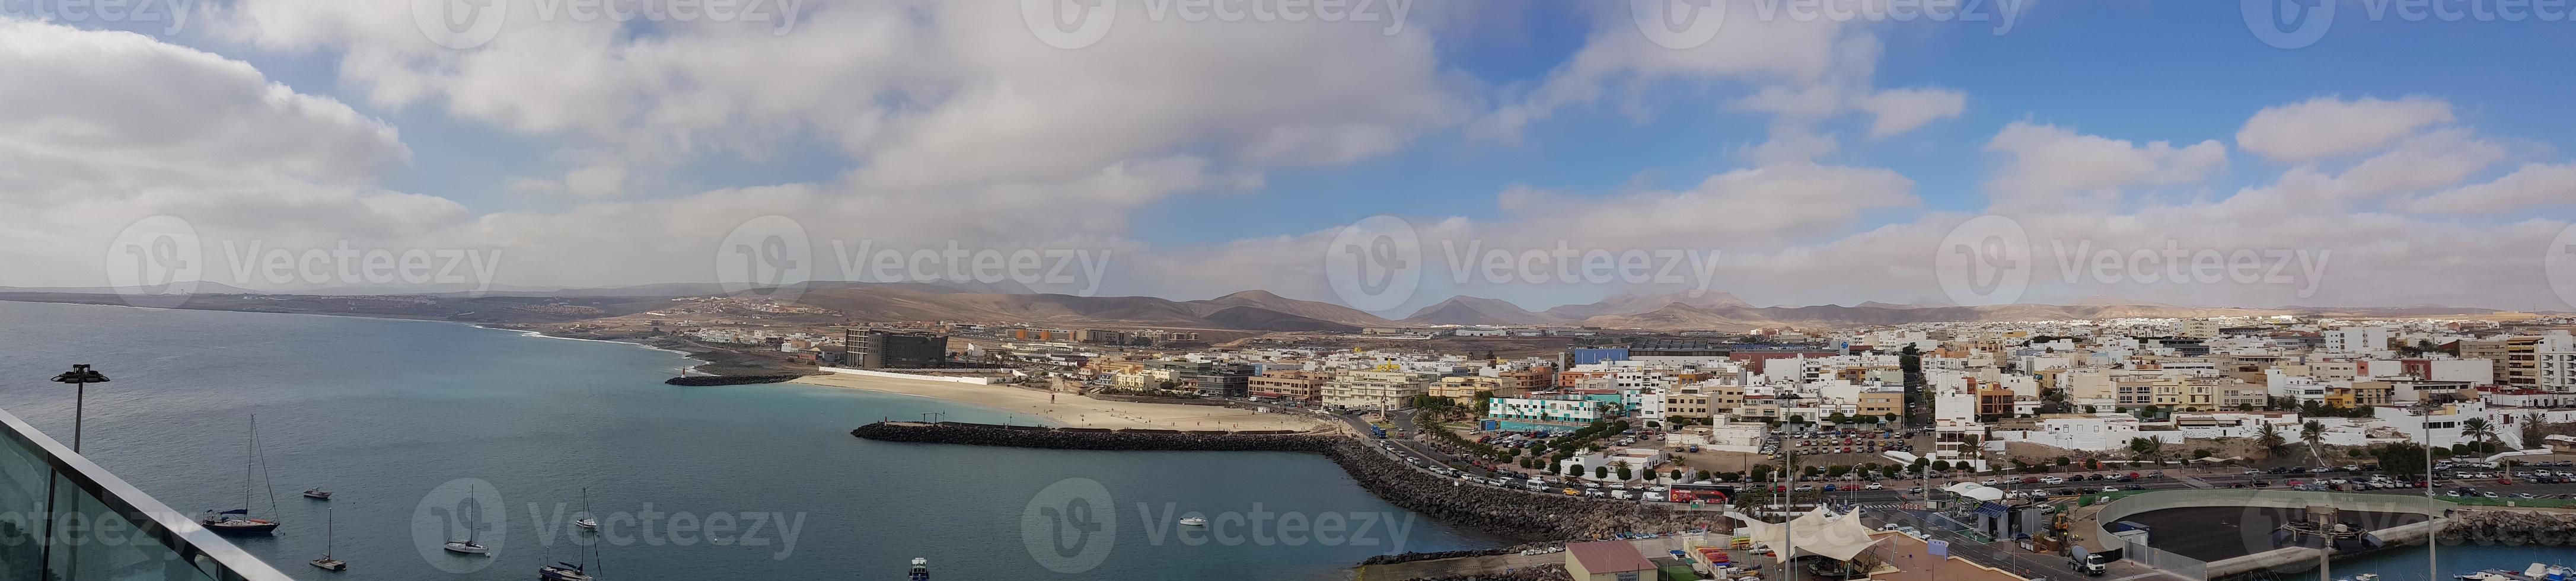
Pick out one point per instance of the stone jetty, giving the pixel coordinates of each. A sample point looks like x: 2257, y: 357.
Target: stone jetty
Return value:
x: 1510, y: 514
x: 2500, y: 527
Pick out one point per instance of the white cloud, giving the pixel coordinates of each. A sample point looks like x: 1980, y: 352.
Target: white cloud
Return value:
x: 2328, y: 127
x: 2531, y: 187
x: 2047, y: 160
x: 1902, y: 110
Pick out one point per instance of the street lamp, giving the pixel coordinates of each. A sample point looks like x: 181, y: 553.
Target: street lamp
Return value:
x: 80, y: 377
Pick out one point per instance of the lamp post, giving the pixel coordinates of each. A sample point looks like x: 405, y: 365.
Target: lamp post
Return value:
x: 80, y: 377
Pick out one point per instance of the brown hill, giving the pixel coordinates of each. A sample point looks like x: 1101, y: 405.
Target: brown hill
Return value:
x: 1467, y: 310
x: 1262, y: 299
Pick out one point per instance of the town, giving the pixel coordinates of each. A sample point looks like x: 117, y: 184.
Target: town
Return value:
x: 1997, y: 435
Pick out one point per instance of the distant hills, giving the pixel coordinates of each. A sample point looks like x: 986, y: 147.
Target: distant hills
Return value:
x: 1251, y: 310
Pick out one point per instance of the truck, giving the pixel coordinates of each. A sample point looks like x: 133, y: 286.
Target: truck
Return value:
x: 2088, y: 564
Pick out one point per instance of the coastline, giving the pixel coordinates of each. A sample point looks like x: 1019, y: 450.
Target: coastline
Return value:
x: 1074, y: 410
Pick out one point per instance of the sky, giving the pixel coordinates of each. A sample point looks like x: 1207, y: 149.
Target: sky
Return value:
x: 1386, y: 156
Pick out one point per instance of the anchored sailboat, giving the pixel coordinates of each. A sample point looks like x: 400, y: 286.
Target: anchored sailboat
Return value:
x: 238, y: 521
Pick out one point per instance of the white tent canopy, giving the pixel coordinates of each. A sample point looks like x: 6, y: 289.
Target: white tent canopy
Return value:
x: 1819, y: 533
x: 1976, y: 491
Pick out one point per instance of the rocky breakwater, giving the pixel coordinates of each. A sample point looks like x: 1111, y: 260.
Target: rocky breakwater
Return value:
x: 2499, y: 527
x: 1509, y: 514
x: 707, y: 380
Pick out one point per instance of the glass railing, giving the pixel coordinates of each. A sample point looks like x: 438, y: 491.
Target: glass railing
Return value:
x: 62, y: 518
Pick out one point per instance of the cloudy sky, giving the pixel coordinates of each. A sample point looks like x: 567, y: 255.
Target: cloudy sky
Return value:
x: 2176, y: 152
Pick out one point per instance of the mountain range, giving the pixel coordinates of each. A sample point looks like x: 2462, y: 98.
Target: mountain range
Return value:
x: 1257, y: 310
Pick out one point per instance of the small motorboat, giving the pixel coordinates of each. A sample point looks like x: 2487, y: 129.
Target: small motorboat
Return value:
x: 586, y: 523
x: 317, y: 494
x: 920, y: 570
x: 1194, y: 521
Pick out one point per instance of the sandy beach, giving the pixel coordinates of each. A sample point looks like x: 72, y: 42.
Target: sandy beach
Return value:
x: 1073, y: 410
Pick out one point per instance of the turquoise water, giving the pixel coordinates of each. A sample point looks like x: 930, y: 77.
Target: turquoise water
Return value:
x: 386, y: 412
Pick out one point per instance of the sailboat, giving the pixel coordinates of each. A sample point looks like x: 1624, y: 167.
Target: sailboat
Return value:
x: 238, y: 521
x: 329, y: 529
x: 468, y: 546
x: 586, y: 521
x: 566, y: 571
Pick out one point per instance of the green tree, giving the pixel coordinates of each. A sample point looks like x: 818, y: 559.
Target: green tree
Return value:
x: 2270, y: 439
x: 2145, y: 447
x: 1677, y: 474
x: 1601, y: 472
x: 1624, y: 473
x: 2402, y: 459
x: 2062, y: 461
x: 1574, y: 471
x: 1940, y: 465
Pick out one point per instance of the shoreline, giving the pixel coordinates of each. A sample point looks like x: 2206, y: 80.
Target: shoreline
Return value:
x: 1074, y: 410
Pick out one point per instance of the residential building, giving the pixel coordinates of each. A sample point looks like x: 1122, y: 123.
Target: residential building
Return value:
x: 1295, y: 385
x: 1543, y: 409
x: 1376, y: 389
x: 875, y: 349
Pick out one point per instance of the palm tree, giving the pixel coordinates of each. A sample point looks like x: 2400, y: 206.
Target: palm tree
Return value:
x: 2270, y: 439
x: 2312, y: 433
x: 2479, y: 431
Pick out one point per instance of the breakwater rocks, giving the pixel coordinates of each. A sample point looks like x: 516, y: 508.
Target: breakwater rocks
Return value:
x: 2497, y: 527
x: 1539, y: 573
x: 1509, y: 514
x: 702, y: 380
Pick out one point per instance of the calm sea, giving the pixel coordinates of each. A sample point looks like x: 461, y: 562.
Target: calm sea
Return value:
x: 389, y: 414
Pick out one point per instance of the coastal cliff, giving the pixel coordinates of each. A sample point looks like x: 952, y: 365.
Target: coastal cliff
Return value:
x: 1509, y: 514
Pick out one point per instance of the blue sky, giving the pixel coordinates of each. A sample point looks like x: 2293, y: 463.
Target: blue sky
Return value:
x: 1245, y: 148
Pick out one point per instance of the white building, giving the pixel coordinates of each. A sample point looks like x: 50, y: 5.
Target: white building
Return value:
x: 2357, y: 340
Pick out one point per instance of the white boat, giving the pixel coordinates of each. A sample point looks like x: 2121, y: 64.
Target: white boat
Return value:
x: 468, y: 546
x: 317, y: 494
x: 1194, y: 521
x: 586, y: 522
x: 326, y: 563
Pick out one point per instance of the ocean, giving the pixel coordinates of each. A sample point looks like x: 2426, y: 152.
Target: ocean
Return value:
x: 405, y: 420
